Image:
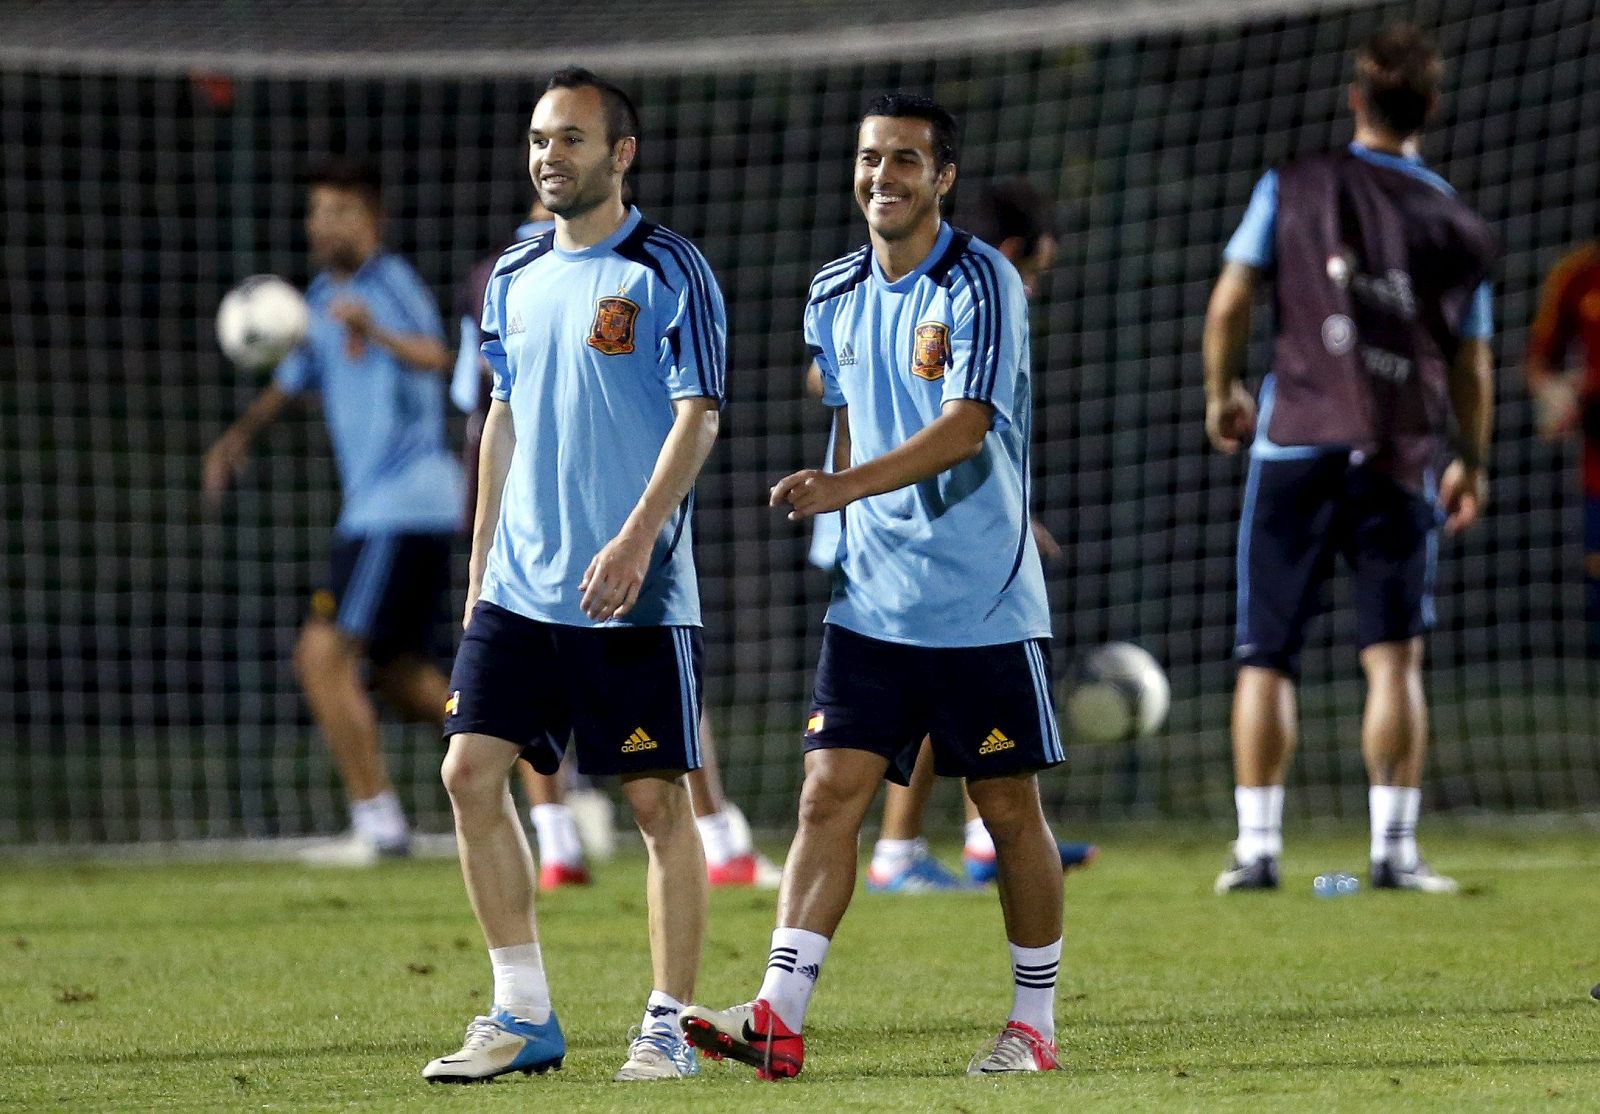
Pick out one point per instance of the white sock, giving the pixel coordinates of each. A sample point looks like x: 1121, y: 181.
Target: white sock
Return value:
x: 1393, y: 811
x: 519, y: 983
x: 716, y: 835
x: 661, y: 1011
x: 1260, y: 821
x: 891, y: 856
x: 979, y: 842
x: 557, y: 833
x: 792, y: 969
x: 1033, y: 978
x: 380, y: 819
x: 738, y: 830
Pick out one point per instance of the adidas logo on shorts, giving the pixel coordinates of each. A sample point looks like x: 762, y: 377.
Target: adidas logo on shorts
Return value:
x: 639, y: 740
x: 996, y: 741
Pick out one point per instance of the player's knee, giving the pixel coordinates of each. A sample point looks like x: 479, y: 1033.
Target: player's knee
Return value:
x: 1009, y: 806
x: 826, y: 798
x: 471, y: 782
x: 319, y: 654
x: 1397, y: 662
x: 409, y: 686
x: 660, y: 806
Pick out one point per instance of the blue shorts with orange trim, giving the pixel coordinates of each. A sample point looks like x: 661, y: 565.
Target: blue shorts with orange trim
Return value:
x: 389, y: 591
x: 987, y: 709
x: 628, y: 698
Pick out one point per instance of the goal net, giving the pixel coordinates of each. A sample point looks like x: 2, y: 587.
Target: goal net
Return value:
x: 148, y: 163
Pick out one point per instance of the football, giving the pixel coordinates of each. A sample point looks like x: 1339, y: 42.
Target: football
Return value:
x: 260, y: 321
x: 1117, y: 692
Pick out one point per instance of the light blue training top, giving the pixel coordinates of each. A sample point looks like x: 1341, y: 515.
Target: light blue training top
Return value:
x: 386, y: 418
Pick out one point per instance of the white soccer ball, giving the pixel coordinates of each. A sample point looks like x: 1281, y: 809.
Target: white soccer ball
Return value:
x: 1117, y: 692
x: 260, y: 321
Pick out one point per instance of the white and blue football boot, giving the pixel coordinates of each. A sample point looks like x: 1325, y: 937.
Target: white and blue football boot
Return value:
x: 658, y: 1054
x: 498, y: 1045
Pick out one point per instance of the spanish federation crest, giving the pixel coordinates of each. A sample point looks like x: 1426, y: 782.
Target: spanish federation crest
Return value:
x: 612, y: 331
x: 931, y: 354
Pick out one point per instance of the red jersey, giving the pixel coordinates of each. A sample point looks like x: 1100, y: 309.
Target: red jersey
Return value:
x: 1569, y: 309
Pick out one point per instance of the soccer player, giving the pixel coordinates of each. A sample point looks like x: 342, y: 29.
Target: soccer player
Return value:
x: 1012, y: 216
x: 606, y: 336
x: 939, y: 625
x: 731, y: 856
x: 1382, y: 332
x: 1569, y: 310
x: 376, y: 353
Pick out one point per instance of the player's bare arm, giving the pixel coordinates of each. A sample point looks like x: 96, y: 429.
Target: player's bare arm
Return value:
x: 229, y: 452
x: 423, y: 352
x: 813, y: 381
x: 1230, y: 411
x: 611, y: 584
x: 1464, y: 488
x: 498, y: 443
x: 956, y: 435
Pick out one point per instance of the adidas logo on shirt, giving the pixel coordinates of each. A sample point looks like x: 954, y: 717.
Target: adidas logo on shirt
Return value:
x: 996, y: 741
x: 515, y: 325
x: 639, y: 740
x: 847, y: 355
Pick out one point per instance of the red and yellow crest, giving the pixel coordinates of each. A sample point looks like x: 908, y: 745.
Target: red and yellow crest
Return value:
x: 612, y: 331
x: 932, y: 352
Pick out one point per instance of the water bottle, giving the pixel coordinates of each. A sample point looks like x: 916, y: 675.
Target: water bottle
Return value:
x: 1338, y: 884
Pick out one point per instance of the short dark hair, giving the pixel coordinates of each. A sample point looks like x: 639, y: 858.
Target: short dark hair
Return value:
x: 622, y: 118
x: 915, y: 107
x: 1007, y: 208
x: 343, y: 172
x: 1398, y: 72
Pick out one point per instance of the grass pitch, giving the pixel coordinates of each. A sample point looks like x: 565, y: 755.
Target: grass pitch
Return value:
x: 185, y: 987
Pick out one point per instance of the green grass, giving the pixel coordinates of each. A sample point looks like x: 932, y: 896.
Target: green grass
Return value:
x: 185, y: 987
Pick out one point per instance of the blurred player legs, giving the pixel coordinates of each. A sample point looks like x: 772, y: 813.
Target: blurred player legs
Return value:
x: 373, y: 351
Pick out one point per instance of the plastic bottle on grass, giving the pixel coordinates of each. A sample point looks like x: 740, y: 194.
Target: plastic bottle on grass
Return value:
x: 1337, y: 884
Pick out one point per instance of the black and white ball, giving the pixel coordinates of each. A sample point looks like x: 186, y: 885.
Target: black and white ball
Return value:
x: 260, y: 321
x: 1117, y: 692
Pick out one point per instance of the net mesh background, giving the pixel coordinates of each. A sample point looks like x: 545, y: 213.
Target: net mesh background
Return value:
x: 146, y: 643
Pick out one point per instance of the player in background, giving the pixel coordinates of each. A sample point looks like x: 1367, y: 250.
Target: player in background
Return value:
x: 606, y: 336
x: 939, y: 625
x: 1014, y: 218
x: 564, y: 818
x: 376, y: 354
x: 1569, y: 310
x: 1382, y: 333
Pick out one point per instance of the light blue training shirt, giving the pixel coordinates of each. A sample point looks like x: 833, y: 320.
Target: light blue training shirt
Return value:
x: 591, y: 348
x: 949, y: 561
x: 386, y: 418
x: 466, y: 379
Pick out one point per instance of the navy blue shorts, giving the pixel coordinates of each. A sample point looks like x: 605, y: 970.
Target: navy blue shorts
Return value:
x: 629, y: 697
x: 988, y: 709
x: 389, y: 591
x: 1302, y: 512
